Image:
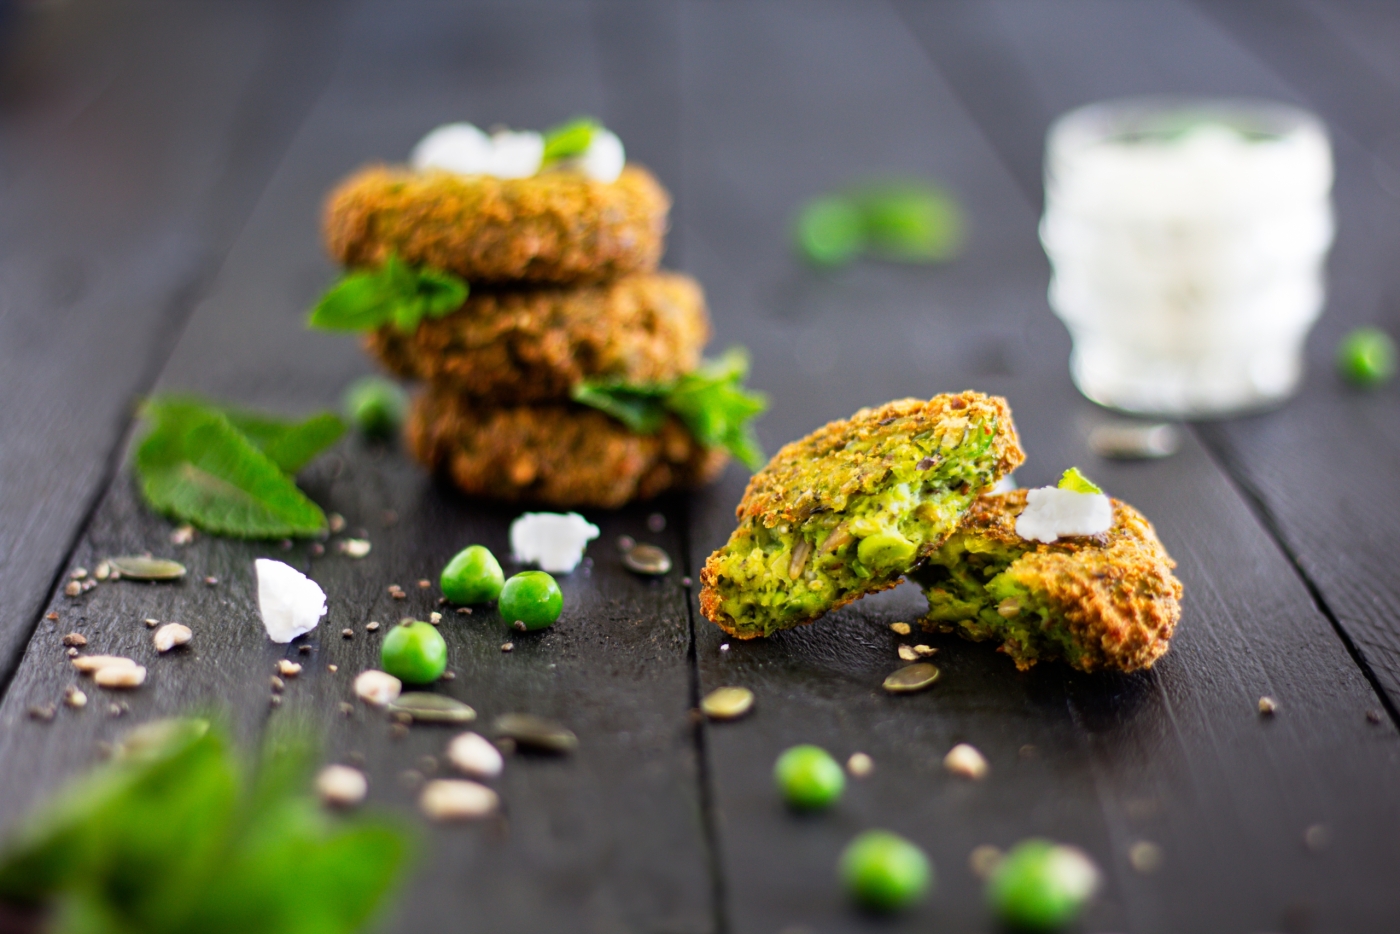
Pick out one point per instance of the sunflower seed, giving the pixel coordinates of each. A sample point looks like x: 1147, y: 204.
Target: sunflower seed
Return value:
x: 144, y: 568
x: 120, y: 676
x: 901, y: 629
x: 447, y: 799
x: 647, y: 559
x: 474, y: 754
x: 72, y: 589
x: 354, y: 547
x: 288, y: 669
x: 377, y: 687
x: 182, y: 535
x: 75, y: 639
x: 727, y: 703
x: 90, y: 664
x: 74, y: 697
x: 170, y: 635
x: 536, y: 732
x: 424, y: 707
x: 44, y: 712
x: 860, y: 765
x: 965, y: 761
x: 341, y: 786
x: 911, y: 678
x: 908, y: 654
x: 1134, y: 441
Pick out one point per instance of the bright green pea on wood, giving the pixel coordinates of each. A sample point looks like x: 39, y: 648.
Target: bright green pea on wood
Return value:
x: 531, y: 600
x: 376, y: 406
x: 1041, y: 886
x: 885, y: 872
x: 1366, y: 357
x: 414, y: 652
x: 809, y: 778
x: 472, y: 576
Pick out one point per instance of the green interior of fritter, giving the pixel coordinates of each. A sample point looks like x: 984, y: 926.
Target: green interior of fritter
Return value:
x: 776, y: 578
x: 969, y: 592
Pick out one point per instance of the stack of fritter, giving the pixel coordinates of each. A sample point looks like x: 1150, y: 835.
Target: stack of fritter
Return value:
x: 566, y: 307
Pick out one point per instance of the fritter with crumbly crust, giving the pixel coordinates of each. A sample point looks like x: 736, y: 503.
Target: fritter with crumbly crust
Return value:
x: 852, y: 507
x: 1100, y: 601
x: 558, y: 227
x: 534, y: 345
x: 559, y: 455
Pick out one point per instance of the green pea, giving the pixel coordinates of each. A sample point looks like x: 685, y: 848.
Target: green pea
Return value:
x: 830, y: 231
x: 1041, y: 886
x: 531, y: 598
x: 809, y: 778
x: 885, y: 549
x: 883, y: 871
x: 377, y: 406
x: 472, y: 576
x: 414, y: 652
x: 1366, y: 357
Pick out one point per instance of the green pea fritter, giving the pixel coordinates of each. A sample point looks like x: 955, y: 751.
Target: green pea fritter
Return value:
x: 1107, y: 601
x: 849, y: 509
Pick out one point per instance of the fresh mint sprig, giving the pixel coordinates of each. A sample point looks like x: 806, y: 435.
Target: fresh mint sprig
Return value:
x: 175, y: 836
x: 711, y: 401
x: 395, y: 293
x: 228, y: 471
x: 569, y: 140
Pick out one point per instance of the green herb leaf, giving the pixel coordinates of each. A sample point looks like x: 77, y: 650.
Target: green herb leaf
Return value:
x: 290, y: 445
x: 395, y: 294
x: 569, y: 140
x: 195, y: 465
x: 712, y: 402
x: 1076, y: 481
x: 830, y: 231
x: 910, y: 221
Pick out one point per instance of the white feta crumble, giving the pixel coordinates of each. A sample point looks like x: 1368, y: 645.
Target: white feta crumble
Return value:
x: 466, y: 150
x: 289, y: 601
x: 604, y: 158
x: 1052, y: 512
x: 552, y: 540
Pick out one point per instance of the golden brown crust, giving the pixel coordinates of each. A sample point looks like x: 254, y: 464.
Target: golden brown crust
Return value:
x: 559, y: 227
x: 559, y: 455
x: 850, y: 456
x: 1116, y: 591
x: 524, y: 346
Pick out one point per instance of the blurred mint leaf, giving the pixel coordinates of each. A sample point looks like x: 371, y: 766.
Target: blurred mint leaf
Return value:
x: 905, y: 220
x: 1072, y: 479
x: 290, y: 445
x: 569, y: 140
x: 395, y: 293
x: 195, y: 465
x: 830, y: 231
x: 712, y: 403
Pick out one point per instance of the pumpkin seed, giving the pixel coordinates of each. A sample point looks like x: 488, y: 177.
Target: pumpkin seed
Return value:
x: 911, y: 678
x: 432, y: 708
x: 145, y: 568
x: 727, y: 703
x: 536, y: 732
x: 647, y: 559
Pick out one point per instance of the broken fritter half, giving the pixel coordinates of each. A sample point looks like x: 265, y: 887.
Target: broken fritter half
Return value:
x: 849, y: 509
x: 1105, y: 601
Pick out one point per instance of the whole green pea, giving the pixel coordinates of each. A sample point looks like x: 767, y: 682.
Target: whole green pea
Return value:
x: 472, y: 576
x: 809, y: 778
x: 376, y: 406
x: 532, y: 599
x: 885, y: 872
x: 1366, y: 357
x: 830, y: 231
x: 1041, y: 886
x: 414, y: 652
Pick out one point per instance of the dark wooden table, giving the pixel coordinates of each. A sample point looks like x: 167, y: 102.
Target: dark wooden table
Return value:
x: 161, y: 171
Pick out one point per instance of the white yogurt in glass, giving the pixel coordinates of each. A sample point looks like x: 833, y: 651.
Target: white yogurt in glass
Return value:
x: 1187, y: 240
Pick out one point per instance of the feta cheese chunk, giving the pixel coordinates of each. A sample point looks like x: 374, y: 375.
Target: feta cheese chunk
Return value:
x: 466, y: 150
x: 1052, y: 512
x: 289, y: 601
x: 604, y: 158
x: 554, y: 541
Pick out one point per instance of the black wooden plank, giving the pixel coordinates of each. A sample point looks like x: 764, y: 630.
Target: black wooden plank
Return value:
x: 608, y: 839
x: 134, y: 136
x: 808, y: 96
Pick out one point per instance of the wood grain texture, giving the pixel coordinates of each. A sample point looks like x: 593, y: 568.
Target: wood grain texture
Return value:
x: 135, y: 137
x: 1177, y: 757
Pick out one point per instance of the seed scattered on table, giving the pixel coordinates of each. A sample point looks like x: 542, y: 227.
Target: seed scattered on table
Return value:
x: 435, y: 617
x: 75, y: 639
x: 102, y: 571
x: 341, y: 786
x: 727, y: 703
x: 182, y: 535
x: 1267, y: 706
x: 724, y: 646
x: 336, y: 523
x: 277, y: 684
x: 288, y: 669
x: 859, y: 765
x: 151, y: 623
x: 464, y: 611
x: 42, y: 712
x: 983, y: 860
x: 507, y: 646
x: 90, y: 664
x: 72, y: 653
x: 925, y: 651
x: 72, y: 589
x: 647, y: 559
x: 449, y: 676
x: 908, y: 654
x: 74, y: 697
x: 78, y: 573
x: 424, y: 583
x: 120, y: 676
x: 146, y: 568
x: 332, y: 668
x: 51, y: 616
x: 425, y: 707
x: 475, y: 755
x: 377, y: 687
x: 171, y: 635
x: 371, y: 626
x: 911, y: 678
x: 304, y: 650
x: 397, y: 592
x: 536, y: 732
x: 347, y: 633
x: 211, y: 581
x: 1145, y: 856
x: 1373, y: 716
x: 448, y: 799
x: 900, y: 629
x: 354, y: 547
x: 965, y: 761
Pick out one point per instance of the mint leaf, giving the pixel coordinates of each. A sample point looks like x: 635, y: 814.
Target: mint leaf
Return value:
x: 1072, y: 479
x: 397, y: 294
x: 196, y: 466
x: 907, y: 220
x: 569, y: 140
x: 711, y: 401
x: 290, y: 445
